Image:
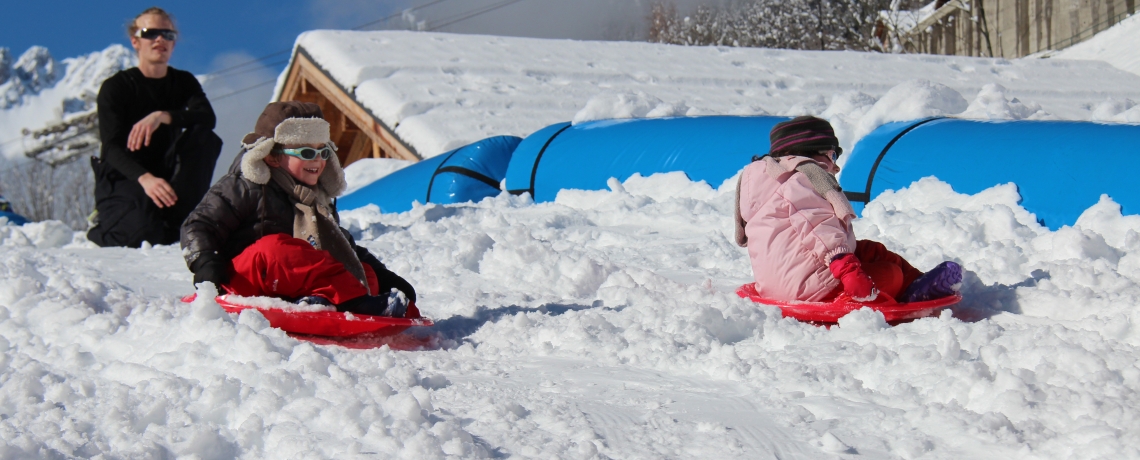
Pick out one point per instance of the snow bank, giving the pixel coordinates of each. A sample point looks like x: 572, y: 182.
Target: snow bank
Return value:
x: 599, y: 325
x: 1116, y: 46
x: 367, y: 170
x: 443, y: 91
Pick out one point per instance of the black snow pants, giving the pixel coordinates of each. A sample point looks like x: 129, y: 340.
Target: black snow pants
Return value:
x: 127, y: 216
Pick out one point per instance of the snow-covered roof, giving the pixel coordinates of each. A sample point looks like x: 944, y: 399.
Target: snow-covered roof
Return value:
x: 441, y: 91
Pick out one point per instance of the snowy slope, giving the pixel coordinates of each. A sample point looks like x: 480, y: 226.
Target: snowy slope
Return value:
x: 442, y: 91
x: 598, y: 326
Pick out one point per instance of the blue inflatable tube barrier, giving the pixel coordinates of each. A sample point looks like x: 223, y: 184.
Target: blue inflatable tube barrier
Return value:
x: 469, y: 173
x: 1061, y: 168
x: 13, y: 218
x: 7, y: 213
x: 586, y: 155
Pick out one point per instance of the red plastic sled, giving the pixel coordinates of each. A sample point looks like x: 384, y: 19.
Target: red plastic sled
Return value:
x: 830, y: 312
x: 332, y: 327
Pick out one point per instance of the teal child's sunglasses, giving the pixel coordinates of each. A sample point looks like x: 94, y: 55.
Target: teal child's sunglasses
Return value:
x: 309, y: 153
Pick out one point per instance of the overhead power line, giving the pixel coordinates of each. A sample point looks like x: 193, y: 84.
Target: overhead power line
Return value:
x: 248, y: 88
x: 453, y: 20
x: 359, y: 27
x: 474, y: 13
x: 391, y: 16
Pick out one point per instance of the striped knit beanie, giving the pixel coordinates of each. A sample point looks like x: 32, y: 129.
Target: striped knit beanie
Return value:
x: 803, y: 134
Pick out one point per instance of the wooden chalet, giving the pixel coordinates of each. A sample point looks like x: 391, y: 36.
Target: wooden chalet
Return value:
x: 1004, y: 28
x: 356, y: 132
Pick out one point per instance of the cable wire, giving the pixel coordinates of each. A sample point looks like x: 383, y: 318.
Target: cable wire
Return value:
x: 359, y: 27
x: 472, y: 14
x: 248, y: 88
x: 454, y: 20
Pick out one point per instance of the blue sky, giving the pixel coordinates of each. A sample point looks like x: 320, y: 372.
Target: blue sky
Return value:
x: 210, y: 28
x: 220, y: 34
x: 214, y: 31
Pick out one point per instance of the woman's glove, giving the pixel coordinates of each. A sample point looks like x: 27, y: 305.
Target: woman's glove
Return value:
x: 848, y: 270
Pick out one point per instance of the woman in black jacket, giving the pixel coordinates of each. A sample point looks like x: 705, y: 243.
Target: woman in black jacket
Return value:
x: 158, y: 148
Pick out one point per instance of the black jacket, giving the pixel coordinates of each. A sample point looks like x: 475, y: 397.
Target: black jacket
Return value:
x: 128, y: 96
x: 235, y: 213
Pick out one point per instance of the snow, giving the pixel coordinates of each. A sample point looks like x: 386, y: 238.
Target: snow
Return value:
x: 442, y: 91
x: 1116, y: 46
x: 604, y: 324
x: 367, y: 170
x: 629, y: 343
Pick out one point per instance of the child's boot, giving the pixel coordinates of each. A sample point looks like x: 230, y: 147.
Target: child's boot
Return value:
x: 941, y: 281
x: 394, y: 305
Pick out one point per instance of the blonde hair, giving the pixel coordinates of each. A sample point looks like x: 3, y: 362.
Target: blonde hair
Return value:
x: 133, y: 24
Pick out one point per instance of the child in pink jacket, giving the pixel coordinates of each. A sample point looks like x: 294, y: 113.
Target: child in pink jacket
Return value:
x: 796, y: 223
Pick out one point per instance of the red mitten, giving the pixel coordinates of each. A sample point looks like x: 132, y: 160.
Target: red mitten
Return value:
x: 847, y: 269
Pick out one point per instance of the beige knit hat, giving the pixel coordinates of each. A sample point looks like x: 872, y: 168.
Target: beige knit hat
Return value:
x: 290, y: 122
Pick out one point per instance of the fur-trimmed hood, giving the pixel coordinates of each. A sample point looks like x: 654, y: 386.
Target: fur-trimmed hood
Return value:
x: 294, y: 131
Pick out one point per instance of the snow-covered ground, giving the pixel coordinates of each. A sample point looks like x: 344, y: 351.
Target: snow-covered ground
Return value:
x: 1115, y: 46
x: 604, y: 324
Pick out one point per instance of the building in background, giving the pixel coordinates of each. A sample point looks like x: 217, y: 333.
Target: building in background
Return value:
x: 998, y: 28
x: 356, y: 132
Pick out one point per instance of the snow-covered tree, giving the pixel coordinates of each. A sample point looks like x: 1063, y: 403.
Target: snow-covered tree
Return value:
x: 792, y: 24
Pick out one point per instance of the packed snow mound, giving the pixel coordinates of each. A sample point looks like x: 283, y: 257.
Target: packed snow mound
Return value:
x: 637, y: 104
x: 911, y: 100
x: 368, y: 170
x: 442, y: 91
x: 993, y: 104
x: 43, y: 235
x: 1116, y: 46
x: 1116, y: 110
x: 603, y: 324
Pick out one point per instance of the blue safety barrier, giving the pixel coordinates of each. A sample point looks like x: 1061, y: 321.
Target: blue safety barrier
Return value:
x: 469, y: 173
x: 586, y: 155
x: 13, y: 218
x: 7, y: 213
x: 1061, y: 168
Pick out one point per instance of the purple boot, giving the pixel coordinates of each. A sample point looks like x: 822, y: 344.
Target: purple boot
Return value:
x: 940, y: 281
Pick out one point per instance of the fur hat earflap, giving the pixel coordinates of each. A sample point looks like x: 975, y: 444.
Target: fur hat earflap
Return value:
x: 293, y: 123
x: 332, y: 180
x: 253, y: 166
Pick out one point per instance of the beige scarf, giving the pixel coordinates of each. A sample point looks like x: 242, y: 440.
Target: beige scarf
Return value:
x: 314, y: 222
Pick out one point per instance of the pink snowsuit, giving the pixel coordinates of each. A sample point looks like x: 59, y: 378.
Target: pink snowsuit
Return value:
x: 791, y: 231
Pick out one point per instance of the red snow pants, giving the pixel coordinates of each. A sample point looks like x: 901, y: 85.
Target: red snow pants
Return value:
x: 279, y: 265
x: 891, y: 273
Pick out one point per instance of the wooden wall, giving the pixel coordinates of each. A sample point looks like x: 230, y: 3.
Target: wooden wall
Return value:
x: 1013, y: 28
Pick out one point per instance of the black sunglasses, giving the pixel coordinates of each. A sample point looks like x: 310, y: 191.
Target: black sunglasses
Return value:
x: 309, y: 153
x: 153, y: 34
